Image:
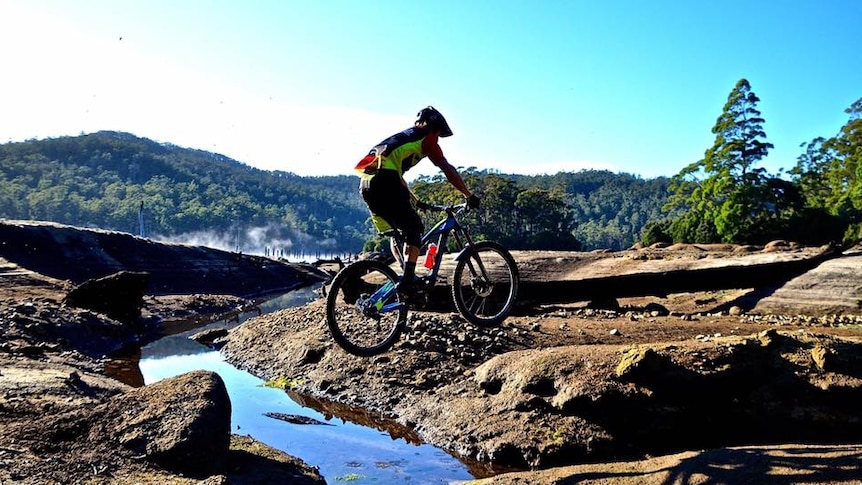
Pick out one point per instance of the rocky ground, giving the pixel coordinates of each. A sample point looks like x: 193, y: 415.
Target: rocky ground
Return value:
x: 558, y: 385
x: 694, y: 387
x: 63, y: 421
x: 567, y: 384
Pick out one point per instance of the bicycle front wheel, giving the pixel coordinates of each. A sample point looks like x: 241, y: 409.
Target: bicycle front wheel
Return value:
x: 363, y: 312
x: 485, y: 284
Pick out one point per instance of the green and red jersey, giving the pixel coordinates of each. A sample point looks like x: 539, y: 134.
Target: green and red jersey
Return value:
x: 401, y: 151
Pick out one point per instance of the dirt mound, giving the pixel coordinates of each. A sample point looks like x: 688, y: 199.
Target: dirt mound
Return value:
x: 181, y: 423
x: 597, y: 403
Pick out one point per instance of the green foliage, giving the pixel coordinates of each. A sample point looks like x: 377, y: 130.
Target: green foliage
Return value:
x: 725, y: 197
x: 853, y: 234
x: 102, y: 180
x: 589, y: 209
x: 376, y: 243
x: 608, y: 210
x: 284, y: 383
x: 829, y: 176
x: 349, y: 477
x: 656, y: 232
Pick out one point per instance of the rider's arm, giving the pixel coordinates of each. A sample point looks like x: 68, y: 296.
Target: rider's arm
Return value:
x: 431, y: 148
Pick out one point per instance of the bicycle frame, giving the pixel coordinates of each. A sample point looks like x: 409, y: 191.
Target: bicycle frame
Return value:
x: 449, y: 226
x: 367, y: 311
x: 441, y: 231
x: 381, y: 295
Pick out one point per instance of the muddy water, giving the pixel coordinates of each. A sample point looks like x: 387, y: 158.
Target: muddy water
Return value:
x: 344, y: 451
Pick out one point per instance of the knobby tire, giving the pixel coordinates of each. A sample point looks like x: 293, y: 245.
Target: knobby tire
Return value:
x: 363, y: 333
x: 480, y: 301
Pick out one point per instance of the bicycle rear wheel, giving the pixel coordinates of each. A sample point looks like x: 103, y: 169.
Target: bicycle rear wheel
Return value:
x: 485, y: 284
x: 363, y: 312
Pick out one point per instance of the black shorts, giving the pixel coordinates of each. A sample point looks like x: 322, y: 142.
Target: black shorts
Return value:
x: 387, y: 197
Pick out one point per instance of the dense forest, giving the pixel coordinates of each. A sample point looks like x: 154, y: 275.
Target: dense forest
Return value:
x: 118, y: 181
x: 103, y: 179
x: 583, y: 210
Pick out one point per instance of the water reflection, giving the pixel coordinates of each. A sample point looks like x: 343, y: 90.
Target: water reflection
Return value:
x: 124, y: 367
x: 342, y: 450
x: 187, y: 324
x: 353, y: 445
x: 370, y: 419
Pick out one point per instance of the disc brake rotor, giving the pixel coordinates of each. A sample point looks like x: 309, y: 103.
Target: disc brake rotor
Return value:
x: 481, y: 287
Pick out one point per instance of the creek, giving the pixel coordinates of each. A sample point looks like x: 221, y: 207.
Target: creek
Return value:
x: 344, y: 451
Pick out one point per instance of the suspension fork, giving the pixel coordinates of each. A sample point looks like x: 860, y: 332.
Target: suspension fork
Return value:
x: 466, y: 247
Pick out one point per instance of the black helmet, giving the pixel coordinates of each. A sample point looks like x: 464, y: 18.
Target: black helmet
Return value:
x: 435, y: 120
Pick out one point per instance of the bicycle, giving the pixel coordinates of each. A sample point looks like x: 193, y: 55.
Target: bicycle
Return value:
x: 366, y: 315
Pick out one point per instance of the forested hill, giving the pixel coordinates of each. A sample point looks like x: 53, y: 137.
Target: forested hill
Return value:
x: 103, y: 179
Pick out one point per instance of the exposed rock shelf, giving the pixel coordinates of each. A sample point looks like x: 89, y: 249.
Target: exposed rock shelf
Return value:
x: 76, y: 254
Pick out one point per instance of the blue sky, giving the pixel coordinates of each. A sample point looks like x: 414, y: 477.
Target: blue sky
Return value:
x: 527, y: 86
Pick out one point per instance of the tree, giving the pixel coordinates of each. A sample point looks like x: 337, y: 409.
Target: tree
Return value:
x: 101, y: 180
x: 656, y: 232
x: 497, y: 218
x: 829, y: 175
x: 544, y: 220
x: 725, y: 197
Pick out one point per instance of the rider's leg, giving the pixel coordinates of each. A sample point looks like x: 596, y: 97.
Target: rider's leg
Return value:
x: 412, y: 253
x: 390, y: 201
x: 396, y: 251
x: 406, y: 287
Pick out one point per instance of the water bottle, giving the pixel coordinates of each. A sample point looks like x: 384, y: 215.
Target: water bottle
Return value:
x: 430, y: 256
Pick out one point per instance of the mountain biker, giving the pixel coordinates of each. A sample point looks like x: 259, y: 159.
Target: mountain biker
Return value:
x: 390, y: 201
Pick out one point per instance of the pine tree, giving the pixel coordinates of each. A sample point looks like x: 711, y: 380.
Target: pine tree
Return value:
x: 725, y: 197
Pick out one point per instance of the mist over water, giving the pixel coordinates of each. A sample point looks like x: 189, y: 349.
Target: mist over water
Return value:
x: 272, y: 241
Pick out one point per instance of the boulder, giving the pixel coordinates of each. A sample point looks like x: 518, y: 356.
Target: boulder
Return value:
x: 182, y: 423
x: 119, y: 296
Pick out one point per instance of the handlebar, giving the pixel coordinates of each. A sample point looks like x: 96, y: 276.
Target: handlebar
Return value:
x: 442, y: 208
